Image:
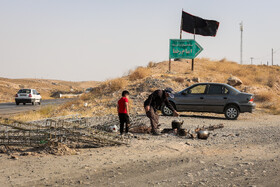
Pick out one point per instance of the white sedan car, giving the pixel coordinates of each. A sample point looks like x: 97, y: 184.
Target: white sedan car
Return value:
x: 28, y: 96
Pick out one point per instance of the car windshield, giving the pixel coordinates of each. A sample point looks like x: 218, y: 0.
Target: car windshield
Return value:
x: 27, y: 91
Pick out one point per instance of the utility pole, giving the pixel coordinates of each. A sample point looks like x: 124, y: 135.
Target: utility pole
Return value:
x: 241, y: 43
x: 252, y: 60
x: 272, y: 57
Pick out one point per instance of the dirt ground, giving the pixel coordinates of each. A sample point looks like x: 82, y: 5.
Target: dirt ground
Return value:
x: 243, y: 153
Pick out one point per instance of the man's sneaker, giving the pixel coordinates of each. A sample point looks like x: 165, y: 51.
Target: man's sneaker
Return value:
x: 129, y: 134
x: 156, y: 134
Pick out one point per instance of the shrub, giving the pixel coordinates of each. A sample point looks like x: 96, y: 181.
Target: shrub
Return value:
x: 139, y: 73
x: 151, y: 64
x: 117, y: 84
x: 179, y: 79
x: 264, y: 96
x: 271, y: 81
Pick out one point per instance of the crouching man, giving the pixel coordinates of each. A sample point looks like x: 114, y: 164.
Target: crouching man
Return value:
x: 154, y: 102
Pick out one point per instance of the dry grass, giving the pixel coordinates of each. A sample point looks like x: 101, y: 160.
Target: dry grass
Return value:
x: 109, y: 86
x: 139, y: 73
x: 265, y: 96
x: 275, y: 108
x: 44, y: 112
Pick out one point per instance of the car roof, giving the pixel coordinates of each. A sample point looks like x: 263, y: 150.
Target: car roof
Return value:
x: 215, y: 83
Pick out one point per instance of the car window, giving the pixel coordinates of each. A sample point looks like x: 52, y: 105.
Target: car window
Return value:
x: 233, y: 89
x: 199, y: 89
x: 27, y: 91
x: 226, y: 91
x: 215, y: 89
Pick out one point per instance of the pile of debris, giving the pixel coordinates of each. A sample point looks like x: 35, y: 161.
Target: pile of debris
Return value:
x: 199, y: 132
x: 57, y: 148
x: 72, y: 132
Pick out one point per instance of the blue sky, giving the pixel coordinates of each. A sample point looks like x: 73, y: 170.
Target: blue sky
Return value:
x: 102, y: 39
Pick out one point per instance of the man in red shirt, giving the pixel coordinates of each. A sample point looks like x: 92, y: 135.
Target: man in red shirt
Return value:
x: 123, y: 111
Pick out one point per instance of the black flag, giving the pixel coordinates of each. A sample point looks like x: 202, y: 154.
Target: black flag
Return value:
x: 196, y: 25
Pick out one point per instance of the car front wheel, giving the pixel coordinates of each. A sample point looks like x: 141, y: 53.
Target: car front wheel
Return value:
x: 166, y: 111
x: 231, y: 112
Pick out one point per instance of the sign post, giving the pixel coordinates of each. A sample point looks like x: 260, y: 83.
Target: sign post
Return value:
x: 183, y: 48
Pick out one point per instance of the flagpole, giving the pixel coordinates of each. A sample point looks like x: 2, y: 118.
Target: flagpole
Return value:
x: 193, y: 58
x: 181, y: 25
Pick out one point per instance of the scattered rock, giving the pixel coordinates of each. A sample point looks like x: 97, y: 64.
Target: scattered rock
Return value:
x: 196, y: 79
x: 14, y: 157
x: 58, y: 148
x: 26, y: 154
x: 3, y: 149
x: 234, y: 81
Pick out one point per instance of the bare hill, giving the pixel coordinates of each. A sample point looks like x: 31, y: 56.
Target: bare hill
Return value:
x: 9, y: 87
x: 263, y: 81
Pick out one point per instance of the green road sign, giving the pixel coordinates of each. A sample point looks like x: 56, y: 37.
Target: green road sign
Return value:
x: 188, y: 49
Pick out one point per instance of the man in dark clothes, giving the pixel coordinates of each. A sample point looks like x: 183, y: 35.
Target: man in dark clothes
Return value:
x: 154, y: 102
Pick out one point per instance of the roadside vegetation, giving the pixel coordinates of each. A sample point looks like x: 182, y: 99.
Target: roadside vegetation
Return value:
x: 261, y: 80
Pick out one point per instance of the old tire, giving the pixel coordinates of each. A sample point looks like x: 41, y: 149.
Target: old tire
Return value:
x: 231, y: 112
x: 166, y: 111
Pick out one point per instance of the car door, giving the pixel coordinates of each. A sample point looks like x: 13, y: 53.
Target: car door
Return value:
x: 191, y: 99
x: 216, y: 98
x: 36, y: 96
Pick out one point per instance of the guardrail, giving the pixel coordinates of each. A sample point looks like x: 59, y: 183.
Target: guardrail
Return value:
x: 69, y: 95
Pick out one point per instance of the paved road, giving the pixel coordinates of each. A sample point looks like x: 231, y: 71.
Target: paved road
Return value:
x: 12, y: 108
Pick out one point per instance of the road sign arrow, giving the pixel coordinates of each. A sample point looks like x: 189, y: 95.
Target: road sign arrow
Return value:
x: 197, y: 49
x: 187, y: 49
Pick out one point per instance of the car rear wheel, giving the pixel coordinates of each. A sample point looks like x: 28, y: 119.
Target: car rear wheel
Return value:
x: 24, y: 103
x: 166, y: 111
x: 17, y: 103
x: 39, y: 102
x: 231, y: 112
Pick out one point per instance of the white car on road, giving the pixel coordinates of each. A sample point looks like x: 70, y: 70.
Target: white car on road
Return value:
x: 28, y: 96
